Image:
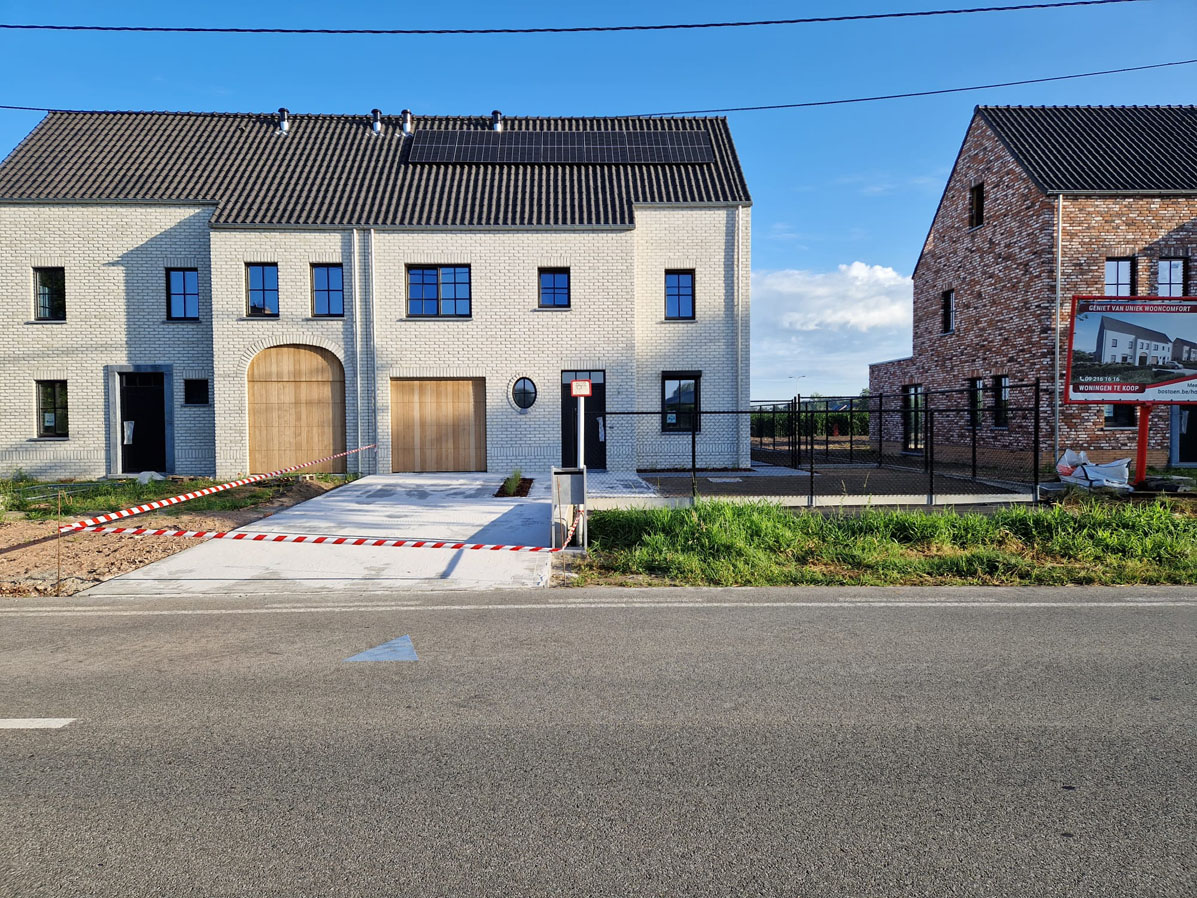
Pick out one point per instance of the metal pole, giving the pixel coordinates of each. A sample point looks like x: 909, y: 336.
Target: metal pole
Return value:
x: 694, y: 453
x: 795, y: 444
x: 880, y: 427
x: 851, y: 430
x: 929, y: 453
x: 810, y: 498
x: 581, y: 431
x: 1035, y: 452
x: 826, y: 432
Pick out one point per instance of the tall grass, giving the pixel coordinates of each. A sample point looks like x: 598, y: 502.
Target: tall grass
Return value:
x: 760, y: 544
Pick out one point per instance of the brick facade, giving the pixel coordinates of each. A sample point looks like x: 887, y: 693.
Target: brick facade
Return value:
x: 1004, y: 277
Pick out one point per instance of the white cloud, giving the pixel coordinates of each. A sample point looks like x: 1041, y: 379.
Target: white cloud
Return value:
x: 818, y: 331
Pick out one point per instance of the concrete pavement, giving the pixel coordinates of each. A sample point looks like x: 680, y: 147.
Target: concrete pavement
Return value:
x: 603, y: 742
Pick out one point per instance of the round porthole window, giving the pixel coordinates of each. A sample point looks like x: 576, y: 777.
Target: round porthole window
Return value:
x: 523, y: 393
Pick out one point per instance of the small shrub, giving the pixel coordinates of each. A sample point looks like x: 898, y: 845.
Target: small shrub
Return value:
x: 512, y: 483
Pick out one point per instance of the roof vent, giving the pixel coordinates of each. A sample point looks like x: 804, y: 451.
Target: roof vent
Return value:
x: 284, y: 123
x: 496, y: 120
x: 406, y: 122
x: 376, y: 121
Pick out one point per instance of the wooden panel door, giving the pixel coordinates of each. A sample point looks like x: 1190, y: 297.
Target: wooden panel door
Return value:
x: 438, y: 425
x: 296, y: 409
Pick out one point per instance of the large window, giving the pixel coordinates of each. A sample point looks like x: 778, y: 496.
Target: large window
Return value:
x: 1171, y: 277
x: 680, y: 394
x: 328, y: 291
x: 948, y: 311
x: 1001, y: 401
x: 1120, y: 274
x: 554, y: 288
x: 262, y: 286
x: 49, y: 286
x: 52, y: 408
x: 913, y: 417
x: 182, y: 293
x: 976, y: 206
x: 442, y: 292
x: 679, y: 294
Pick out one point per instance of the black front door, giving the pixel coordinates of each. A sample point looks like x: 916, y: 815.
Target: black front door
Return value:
x: 1186, y: 444
x: 596, y: 420
x: 143, y: 422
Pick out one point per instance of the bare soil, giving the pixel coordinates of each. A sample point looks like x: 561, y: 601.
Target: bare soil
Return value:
x: 30, y: 551
x: 520, y: 491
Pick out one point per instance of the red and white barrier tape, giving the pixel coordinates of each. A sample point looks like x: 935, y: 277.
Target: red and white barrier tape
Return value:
x: 207, y: 491
x: 252, y: 537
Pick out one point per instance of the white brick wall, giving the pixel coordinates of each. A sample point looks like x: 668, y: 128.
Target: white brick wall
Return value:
x: 115, y: 255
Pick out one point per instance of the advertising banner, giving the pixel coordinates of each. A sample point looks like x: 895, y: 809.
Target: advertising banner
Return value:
x: 1132, y: 349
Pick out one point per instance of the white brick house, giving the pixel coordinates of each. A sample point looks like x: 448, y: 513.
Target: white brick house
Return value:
x: 218, y: 294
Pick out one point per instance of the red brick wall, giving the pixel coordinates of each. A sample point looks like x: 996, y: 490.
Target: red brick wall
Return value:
x: 1004, y: 276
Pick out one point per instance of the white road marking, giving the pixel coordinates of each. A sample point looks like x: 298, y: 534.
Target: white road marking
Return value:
x: 346, y: 607
x: 34, y: 723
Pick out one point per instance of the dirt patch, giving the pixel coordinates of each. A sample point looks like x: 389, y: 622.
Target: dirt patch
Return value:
x: 30, y: 550
x: 520, y: 491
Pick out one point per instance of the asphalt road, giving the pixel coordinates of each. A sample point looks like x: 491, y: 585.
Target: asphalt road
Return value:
x: 597, y: 742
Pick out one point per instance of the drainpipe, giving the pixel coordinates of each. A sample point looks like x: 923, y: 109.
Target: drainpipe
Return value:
x: 373, y: 353
x: 1059, y: 317
x: 737, y: 305
x: 357, y: 341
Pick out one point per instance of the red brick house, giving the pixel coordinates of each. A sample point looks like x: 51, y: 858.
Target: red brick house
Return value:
x: 1044, y: 203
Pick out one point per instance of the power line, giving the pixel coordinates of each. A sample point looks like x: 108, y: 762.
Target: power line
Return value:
x: 812, y: 20
x: 917, y: 93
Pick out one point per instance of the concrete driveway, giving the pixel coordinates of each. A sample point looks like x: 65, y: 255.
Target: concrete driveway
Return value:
x: 457, y: 507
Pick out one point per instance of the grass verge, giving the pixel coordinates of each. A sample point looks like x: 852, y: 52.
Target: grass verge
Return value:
x: 761, y: 544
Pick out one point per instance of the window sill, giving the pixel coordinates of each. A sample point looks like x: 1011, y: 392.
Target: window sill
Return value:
x: 553, y: 309
x: 1123, y: 427
x: 950, y: 333
x: 196, y: 405
x: 678, y: 320
x: 977, y: 227
x: 48, y: 439
x: 181, y: 321
x: 437, y: 318
x: 46, y: 321
x: 259, y: 318
x: 323, y: 318
x: 679, y: 433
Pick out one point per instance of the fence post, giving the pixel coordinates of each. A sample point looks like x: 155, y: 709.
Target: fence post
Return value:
x: 1035, y: 451
x: 880, y: 427
x: 975, y: 414
x: 851, y: 429
x: 810, y: 487
x: 794, y: 433
x: 694, y: 453
x: 929, y: 454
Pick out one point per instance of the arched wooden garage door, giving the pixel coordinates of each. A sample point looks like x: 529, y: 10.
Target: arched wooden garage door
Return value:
x: 296, y: 409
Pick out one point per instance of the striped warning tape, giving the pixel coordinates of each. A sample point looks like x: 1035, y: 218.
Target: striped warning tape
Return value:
x: 249, y: 536
x: 207, y: 491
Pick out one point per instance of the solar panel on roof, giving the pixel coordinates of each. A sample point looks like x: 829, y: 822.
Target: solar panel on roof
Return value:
x: 562, y: 146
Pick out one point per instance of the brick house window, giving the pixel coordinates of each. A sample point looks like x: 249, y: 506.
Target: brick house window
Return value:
x: 195, y: 391
x: 679, y: 295
x: 1120, y: 416
x: 976, y: 400
x: 976, y: 206
x: 261, y: 284
x: 52, y: 408
x: 948, y: 304
x: 1171, y: 281
x: 554, y: 288
x: 49, y: 286
x: 182, y: 294
x: 328, y: 291
x: 1001, y: 401
x: 914, y: 401
x: 440, y: 292
x: 1120, y: 277
x: 680, y: 401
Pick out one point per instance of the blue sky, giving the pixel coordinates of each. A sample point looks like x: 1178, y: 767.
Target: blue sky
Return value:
x: 843, y: 196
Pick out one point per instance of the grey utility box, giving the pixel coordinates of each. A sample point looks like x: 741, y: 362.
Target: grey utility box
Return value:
x: 569, y: 496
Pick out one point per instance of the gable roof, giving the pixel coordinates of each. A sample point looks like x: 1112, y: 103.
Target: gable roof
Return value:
x: 1101, y: 149
x: 332, y: 170
x: 1135, y: 330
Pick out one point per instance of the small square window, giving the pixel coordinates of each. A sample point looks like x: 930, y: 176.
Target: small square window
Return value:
x: 195, y: 391
x: 328, y: 291
x: 50, y: 292
x: 182, y: 294
x: 976, y: 206
x: 679, y: 294
x: 680, y: 406
x: 948, y: 303
x: 554, y: 288
x: 52, y: 408
x: 442, y: 292
x: 261, y: 281
x: 1120, y: 415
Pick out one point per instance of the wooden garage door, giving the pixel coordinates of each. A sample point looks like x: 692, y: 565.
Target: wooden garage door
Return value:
x: 438, y: 425
x: 296, y: 409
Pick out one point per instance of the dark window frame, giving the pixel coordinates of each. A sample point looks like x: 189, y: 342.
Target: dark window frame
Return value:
x: 976, y: 205
x: 914, y: 412
x: 976, y: 400
x: 554, y: 290
x: 328, y: 291
x: 1184, y: 275
x: 37, y: 295
x: 1130, y: 260
x: 947, y: 301
x: 249, y: 291
x: 59, y: 407
x: 189, y: 398
x: 1001, y: 400
x: 1111, y: 414
x: 677, y: 426
x: 170, y: 295
x: 440, y: 293
x: 680, y: 272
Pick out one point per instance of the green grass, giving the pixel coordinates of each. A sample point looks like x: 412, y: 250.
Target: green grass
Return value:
x: 79, y: 500
x: 725, y: 544
x: 512, y: 483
